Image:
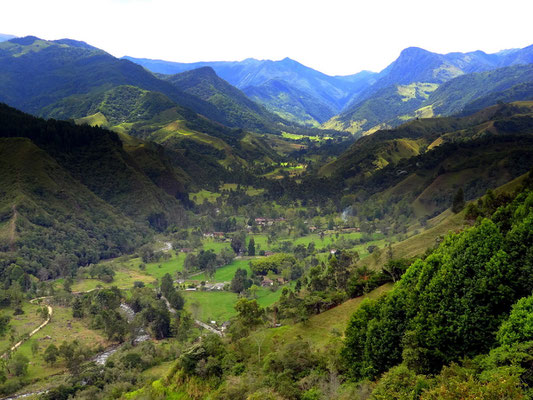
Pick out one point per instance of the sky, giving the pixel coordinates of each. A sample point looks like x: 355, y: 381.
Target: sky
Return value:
x: 337, y: 37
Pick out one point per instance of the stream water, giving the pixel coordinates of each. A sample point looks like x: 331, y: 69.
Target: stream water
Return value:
x: 141, y: 336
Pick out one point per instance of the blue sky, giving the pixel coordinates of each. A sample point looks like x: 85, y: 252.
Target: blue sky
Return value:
x: 337, y: 37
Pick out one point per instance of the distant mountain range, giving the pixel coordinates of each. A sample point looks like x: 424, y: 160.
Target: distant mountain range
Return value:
x: 259, y: 79
x: 366, y: 101
x: 229, y: 101
x: 411, y: 86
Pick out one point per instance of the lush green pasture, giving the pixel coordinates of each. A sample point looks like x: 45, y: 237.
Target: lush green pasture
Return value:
x: 202, y: 196
x: 170, y: 266
x: 266, y: 297
x: 216, y: 246
x: 226, y: 273
x: 62, y: 327
x: 219, y: 305
x: 20, y: 324
x: 319, y: 329
x: 294, y: 136
x: 211, y: 306
x: 124, y: 278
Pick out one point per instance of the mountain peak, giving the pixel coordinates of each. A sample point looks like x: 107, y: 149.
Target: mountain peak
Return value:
x: 25, y: 41
x: 413, y: 52
x: 75, y: 43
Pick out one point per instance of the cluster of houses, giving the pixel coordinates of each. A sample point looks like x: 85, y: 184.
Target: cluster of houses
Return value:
x: 267, y: 282
x: 268, y: 221
x: 216, y: 235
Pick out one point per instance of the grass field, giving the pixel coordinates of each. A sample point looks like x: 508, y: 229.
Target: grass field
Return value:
x: 211, y: 306
x: 226, y: 273
x: 62, y: 327
x: 202, y: 196
x: 293, y: 136
x: 319, y: 329
x: 171, y: 266
x: 219, y: 305
x: 216, y: 246
x: 21, y: 324
x: 125, y: 276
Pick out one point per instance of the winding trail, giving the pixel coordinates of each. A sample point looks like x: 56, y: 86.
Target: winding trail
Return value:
x: 21, y: 342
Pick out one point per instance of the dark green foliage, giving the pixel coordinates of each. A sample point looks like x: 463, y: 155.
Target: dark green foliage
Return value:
x: 451, y: 304
x: 51, y: 354
x: 240, y: 281
x: 77, y: 308
x: 396, y: 268
x: 519, y: 326
x: 18, y: 365
x: 204, y: 358
x: 171, y: 294
x: 249, y: 312
x: 4, y: 324
x: 458, y: 201
x: 288, y: 365
x: 238, y: 242
x: 275, y: 263
x: 251, y: 247
x: 400, y: 383
x: 54, y: 239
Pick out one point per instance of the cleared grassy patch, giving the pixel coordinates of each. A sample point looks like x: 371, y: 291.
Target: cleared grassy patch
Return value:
x: 215, y: 245
x: 203, y: 196
x: 21, y: 324
x: 125, y: 276
x: 293, y: 136
x: 226, y: 273
x: 171, y: 266
x: 62, y: 327
x: 319, y: 329
x: 211, y: 306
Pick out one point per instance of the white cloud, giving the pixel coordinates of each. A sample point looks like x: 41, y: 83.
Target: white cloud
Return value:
x: 334, y: 36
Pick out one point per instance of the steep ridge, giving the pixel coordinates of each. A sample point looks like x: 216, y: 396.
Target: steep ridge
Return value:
x: 96, y: 158
x: 55, y: 215
x: 69, y: 68
x: 413, y: 171
x: 422, y: 84
x: 330, y: 92
x: 238, y: 110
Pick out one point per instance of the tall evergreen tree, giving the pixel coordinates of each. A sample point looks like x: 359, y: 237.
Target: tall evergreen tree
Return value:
x: 251, y: 247
x: 458, y: 201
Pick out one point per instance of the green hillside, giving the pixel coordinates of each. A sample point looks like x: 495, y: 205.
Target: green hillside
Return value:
x: 239, y: 111
x: 384, y: 109
x: 519, y: 92
x: 410, y: 174
x: 392, y: 105
x: 69, y: 68
x: 452, y: 96
x: 194, y: 145
x: 290, y: 103
x: 96, y: 158
x: 57, y: 221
